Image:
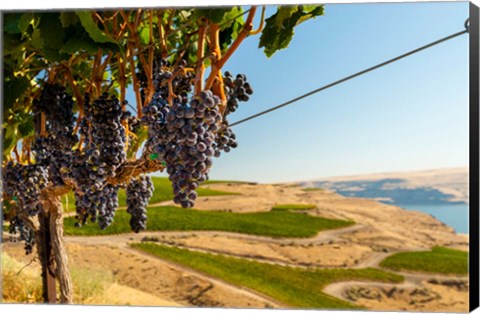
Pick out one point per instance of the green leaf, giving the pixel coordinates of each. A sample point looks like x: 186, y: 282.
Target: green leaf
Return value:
x: 279, y: 28
x: 37, y: 40
x: 51, y: 30
x: 215, y: 15
x: 75, y: 44
x: 95, y: 33
x: 13, y: 88
x: 232, y: 16
x: 69, y: 18
x: 11, y: 23
x: 231, y: 27
x: 12, y: 43
x: 8, y: 144
x: 9, y: 140
x: 284, y: 13
x: 144, y: 36
x: 228, y: 35
x: 27, y: 127
x: 55, y: 55
x: 25, y: 21
x: 311, y: 11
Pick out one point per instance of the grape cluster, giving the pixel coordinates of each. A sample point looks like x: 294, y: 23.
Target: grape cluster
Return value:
x: 105, y: 134
x: 106, y: 212
x: 162, y: 72
x: 225, y: 139
x: 104, y: 152
x: 183, y: 135
x: 237, y: 89
x: 24, y: 184
x: 25, y: 233
x: 54, y: 149
x: 139, y: 192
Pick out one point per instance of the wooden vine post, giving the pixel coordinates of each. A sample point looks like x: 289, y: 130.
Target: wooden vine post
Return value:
x: 43, y: 240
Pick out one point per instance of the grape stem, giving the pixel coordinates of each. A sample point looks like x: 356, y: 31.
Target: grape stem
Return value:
x: 136, y: 84
x: 163, y: 43
x: 147, y: 66
x: 73, y: 85
x: 217, y: 66
x: 129, y: 169
x: 260, y: 27
x: 150, y: 89
x: 100, y: 72
x: 200, y: 66
x: 15, y: 151
x: 171, y: 95
x: 98, y: 17
x: 122, y: 71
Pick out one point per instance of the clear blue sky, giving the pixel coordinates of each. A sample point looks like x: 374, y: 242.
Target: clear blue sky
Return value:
x: 410, y: 115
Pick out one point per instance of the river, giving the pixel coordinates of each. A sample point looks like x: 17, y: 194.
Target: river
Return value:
x: 454, y: 215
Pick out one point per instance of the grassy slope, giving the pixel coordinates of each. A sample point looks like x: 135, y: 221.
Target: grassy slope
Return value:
x: 295, y: 287
x: 169, y: 218
x: 293, y: 207
x: 227, y: 182
x: 438, y: 260
x: 163, y: 192
x: 312, y: 189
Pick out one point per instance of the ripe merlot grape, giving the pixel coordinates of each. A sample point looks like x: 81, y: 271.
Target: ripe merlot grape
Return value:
x: 139, y: 192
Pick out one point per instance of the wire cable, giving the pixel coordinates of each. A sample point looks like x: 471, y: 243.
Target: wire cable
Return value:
x: 353, y: 76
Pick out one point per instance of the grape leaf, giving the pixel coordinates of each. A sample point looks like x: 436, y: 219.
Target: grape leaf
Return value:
x: 75, y: 44
x: 37, y: 40
x: 27, y: 127
x: 279, y: 28
x: 215, y: 15
x: 232, y: 16
x: 231, y: 27
x: 8, y: 144
x: 11, y: 43
x: 24, y: 22
x: 13, y: 88
x: 51, y: 30
x: 11, y: 23
x: 228, y: 35
x: 54, y: 55
x: 68, y: 18
x: 144, y: 35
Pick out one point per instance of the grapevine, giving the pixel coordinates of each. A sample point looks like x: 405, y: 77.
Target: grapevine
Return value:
x: 69, y: 126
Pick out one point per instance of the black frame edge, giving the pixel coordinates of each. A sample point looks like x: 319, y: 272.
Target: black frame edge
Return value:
x: 474, y: 261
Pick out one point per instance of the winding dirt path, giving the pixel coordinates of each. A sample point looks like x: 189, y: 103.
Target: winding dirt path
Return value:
x: 117, y: 239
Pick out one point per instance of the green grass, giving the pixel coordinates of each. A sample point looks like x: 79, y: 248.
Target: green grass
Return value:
x: 163, y: 192
x: 226, y: 182
x: 295, y: 287
x: 439, y: 260
x: 312, y: 189
x: 283, y: 207
x: 168, y: 218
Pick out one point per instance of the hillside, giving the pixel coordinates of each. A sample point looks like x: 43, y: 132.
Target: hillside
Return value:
x: 429, y: 187
x: 212, y: 267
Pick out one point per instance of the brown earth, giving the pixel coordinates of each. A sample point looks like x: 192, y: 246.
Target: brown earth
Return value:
x: 380, y: 230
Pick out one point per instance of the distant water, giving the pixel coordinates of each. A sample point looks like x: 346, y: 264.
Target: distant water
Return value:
x: 454, y: 215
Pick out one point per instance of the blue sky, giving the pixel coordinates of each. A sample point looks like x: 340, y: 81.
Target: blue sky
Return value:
x: 410, y: 115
